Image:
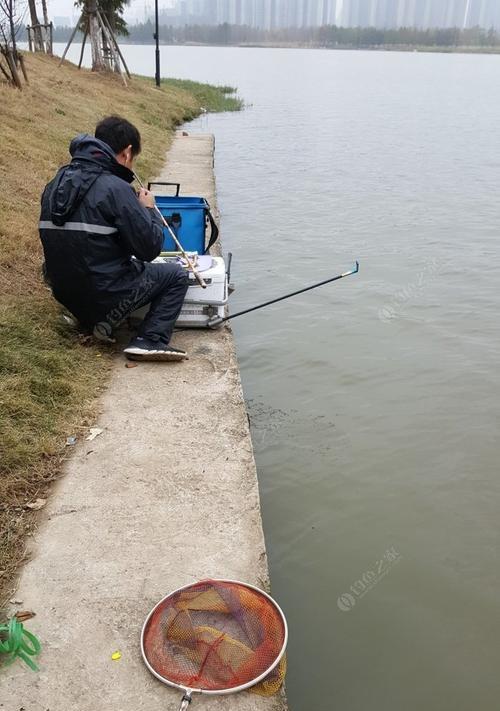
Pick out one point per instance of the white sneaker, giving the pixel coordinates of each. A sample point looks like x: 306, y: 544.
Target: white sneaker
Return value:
x: 144, y: 349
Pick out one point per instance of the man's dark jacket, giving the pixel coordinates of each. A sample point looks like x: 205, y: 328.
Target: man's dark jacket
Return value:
x: 91, y: 224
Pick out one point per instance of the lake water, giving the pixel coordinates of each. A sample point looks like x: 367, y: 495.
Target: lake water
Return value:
x: 374, y: 401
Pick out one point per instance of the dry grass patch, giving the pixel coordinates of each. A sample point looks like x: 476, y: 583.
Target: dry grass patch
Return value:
x: 48, y: 377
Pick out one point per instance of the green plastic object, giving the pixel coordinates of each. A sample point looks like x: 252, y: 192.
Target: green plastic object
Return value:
x: 15, y: 641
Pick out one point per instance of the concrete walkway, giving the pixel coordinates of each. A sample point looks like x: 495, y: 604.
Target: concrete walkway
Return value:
x: 165, y: 496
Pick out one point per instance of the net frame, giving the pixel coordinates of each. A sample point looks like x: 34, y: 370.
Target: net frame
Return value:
x: 217, y: 692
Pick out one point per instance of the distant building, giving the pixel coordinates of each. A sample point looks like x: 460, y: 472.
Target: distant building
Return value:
x: 268, y: 14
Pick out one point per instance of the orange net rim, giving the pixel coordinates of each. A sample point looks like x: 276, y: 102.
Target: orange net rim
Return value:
x: 229, y: 690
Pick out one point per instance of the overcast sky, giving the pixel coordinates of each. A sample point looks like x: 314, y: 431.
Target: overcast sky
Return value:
x: 65, y: 8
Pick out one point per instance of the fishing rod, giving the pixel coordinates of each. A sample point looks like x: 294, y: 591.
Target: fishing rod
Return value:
x: 216, y: 321
x: 179, y: 246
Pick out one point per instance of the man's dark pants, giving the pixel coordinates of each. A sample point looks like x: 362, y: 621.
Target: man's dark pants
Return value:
x: 163, y: 286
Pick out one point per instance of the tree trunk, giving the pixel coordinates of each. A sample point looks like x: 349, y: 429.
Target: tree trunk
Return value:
x: 20, y: 59
x: 106, y: 49
x: 95, y: 37
x: 13, y: 69
x: 5, y: 72
x: 44, y: 10
x: 109, y: 22
x: 3, y: 69
x: 37, y: 30
x: 50, y: 47
x: 12, y: 27
x: 47, y: 30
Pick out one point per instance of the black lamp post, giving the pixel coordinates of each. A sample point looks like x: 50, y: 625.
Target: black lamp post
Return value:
x: 157, y: 52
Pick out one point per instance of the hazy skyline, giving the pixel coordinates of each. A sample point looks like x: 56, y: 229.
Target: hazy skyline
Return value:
x: 283, y: 13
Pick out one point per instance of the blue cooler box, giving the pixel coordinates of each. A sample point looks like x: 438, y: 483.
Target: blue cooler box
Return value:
x: 186, y: 217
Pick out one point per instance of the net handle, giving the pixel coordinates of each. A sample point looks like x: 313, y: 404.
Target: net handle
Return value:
x: 186, y: 700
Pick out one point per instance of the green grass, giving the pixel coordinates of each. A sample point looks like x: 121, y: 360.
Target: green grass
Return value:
x: 211, y: 98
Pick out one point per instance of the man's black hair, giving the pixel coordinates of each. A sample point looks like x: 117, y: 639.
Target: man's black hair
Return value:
x: 118, y: 133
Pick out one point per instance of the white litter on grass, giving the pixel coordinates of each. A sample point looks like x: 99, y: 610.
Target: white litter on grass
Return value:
x: 36, y: 505
x: 94, y: 432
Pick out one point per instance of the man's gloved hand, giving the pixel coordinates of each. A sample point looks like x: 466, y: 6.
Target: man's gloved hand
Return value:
x: 146, y: 198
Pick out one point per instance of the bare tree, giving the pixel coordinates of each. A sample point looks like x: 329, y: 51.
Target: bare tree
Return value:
x: 10, y: 21
x: 10, y: 24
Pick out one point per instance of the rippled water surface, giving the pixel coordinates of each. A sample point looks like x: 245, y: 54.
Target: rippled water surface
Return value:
x: 374, y: 401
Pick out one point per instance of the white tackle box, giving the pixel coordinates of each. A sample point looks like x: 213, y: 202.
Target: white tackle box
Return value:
x: 200, y: 304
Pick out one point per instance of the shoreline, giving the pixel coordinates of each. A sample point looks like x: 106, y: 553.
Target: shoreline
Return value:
x: 430, y: 49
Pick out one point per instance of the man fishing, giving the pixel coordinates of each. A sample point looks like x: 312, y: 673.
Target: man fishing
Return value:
x: 98, y: 238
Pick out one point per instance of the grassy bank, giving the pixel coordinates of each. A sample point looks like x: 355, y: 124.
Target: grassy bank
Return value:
x: 49, y: 375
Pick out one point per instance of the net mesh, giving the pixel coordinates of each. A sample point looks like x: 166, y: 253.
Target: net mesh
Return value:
x: 216, y: 635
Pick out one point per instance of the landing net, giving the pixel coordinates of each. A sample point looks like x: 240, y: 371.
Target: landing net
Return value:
x: 217, y: 636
